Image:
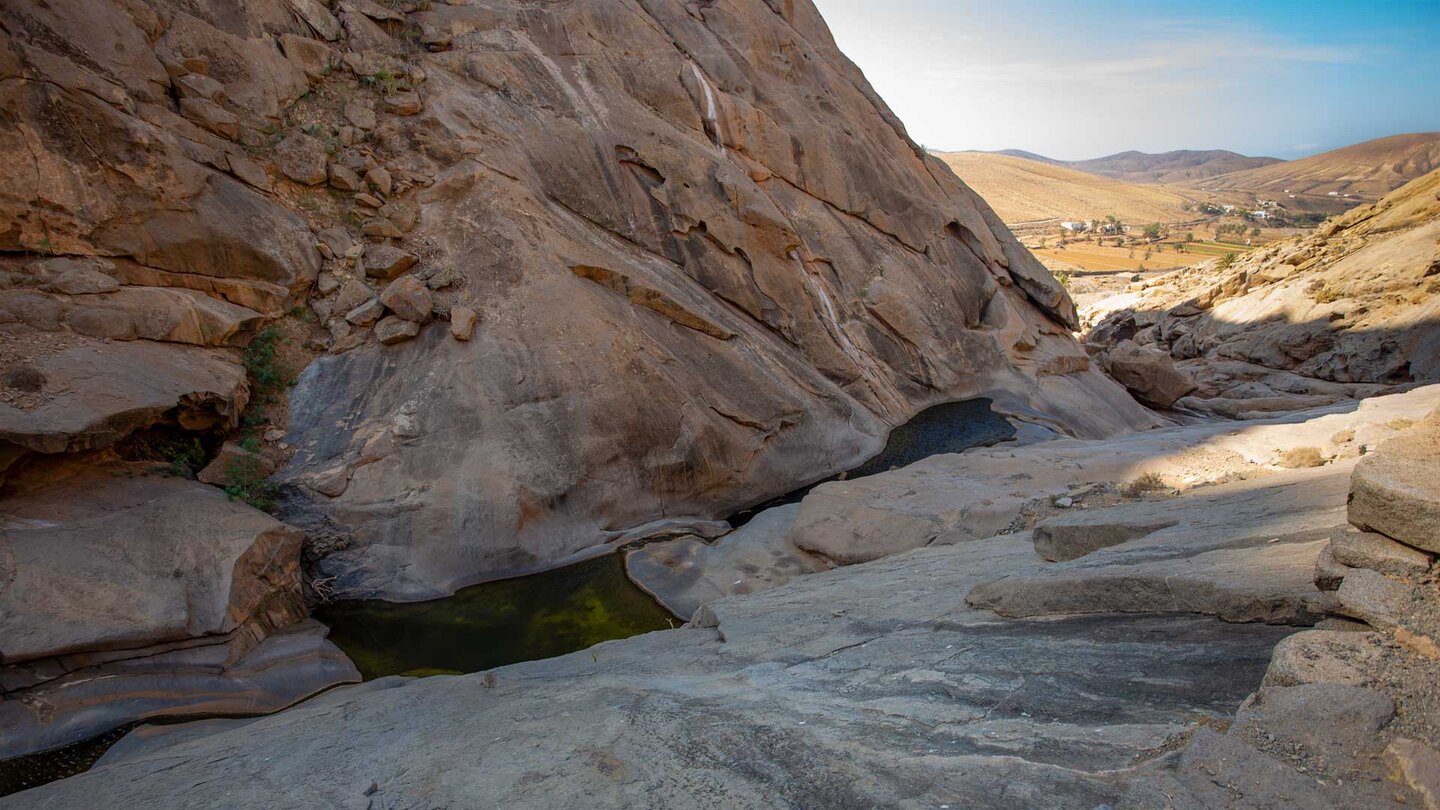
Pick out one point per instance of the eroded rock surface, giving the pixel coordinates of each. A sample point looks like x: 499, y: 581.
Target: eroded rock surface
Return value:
x: 985, y: 491
x: 696, y: 288
x: 832, y: 689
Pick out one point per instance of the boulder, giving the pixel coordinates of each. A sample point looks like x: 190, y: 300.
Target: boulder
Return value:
x: 1358, y: 549
x: 686, y: 572
x: 407, y: 103
x: 862, y: 533
x: 1272, y: 583
x: 344, y: 179
x: 462, y: 322
x: 318, y: 17
x: 1148, y: 373
x: 1332, y: 721
x: 1073, y: 536
x: 1418, y: 766
x: 360, y: 114
x: 1215, y: 768
x: 1375, y: 599
x: 367, y: 313
x: 1395, y: 491
x: 312, y: 57
x: 211, y: 116
x: 387, y: 261
x: 302, y: 159
x: 409, y: 298
x: 114, y: 389
x: 379, y: 179
x: 1325, y: 656
x: 391, y: 329
x: 235, y: 464
x: 353, y: 293
x: 120, y: 556
x: 381, y: 228
x: 73, y: 276
x: 338, y: 240
x: 158, y: 313
x: 196, y: 85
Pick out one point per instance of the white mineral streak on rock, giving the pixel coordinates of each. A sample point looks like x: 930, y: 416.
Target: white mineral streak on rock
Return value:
x: 712, y: 120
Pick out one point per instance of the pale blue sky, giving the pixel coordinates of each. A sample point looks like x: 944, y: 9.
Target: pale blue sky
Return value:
x: 1080, y: 79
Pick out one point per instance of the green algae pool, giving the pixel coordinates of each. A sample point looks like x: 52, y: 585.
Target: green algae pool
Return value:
x: 505, y: 622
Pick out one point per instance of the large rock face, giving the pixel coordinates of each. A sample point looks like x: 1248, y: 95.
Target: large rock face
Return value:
x: 709, y: 267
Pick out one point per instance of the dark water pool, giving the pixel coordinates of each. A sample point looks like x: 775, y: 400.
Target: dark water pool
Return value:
x: 947, y: 428
x: 484, y: 626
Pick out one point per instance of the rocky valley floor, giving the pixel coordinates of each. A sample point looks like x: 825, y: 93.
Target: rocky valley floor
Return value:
x: 1189, y: 649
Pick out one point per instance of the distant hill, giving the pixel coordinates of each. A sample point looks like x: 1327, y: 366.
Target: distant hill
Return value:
x: 1367, y: 170
x: 1026, y: 190
x: 1179, y: 166
x: 1021, y: 153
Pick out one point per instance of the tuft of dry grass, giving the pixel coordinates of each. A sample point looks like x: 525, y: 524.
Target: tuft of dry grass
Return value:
x: 1299, y: 458
x: 1149, y: 482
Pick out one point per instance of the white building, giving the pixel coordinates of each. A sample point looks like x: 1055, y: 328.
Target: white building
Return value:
x: 1075, y: 227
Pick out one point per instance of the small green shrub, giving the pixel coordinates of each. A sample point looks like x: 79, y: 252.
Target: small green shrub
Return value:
x: 183, y: 452
x: 267, y: 373
x: 383, y: 81
x: 249, y: 484
x: 1326, y: 295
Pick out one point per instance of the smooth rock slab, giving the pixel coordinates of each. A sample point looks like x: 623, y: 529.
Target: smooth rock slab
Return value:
x: 1271, y: 583
x: 1396, y: 491
x: 110, y: 390
x: 119, y: 557
x: 684, y: 573
x: 831, y: 691
x: 286, y: 667
x: 1377, y: 552
x: 1073, y: 536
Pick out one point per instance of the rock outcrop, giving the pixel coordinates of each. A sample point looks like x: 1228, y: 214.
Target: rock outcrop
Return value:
x: 128, y: 593
x: 696, y: 261
x: 1347, y: 311
x: 696, y: 288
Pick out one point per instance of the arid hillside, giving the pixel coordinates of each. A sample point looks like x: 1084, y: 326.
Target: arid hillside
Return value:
x: 1025, y: 190
x: 1366, y: 170
x: 1346, y: 311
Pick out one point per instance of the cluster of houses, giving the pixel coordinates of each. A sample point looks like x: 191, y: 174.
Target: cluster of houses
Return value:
x: 1098, y: 226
